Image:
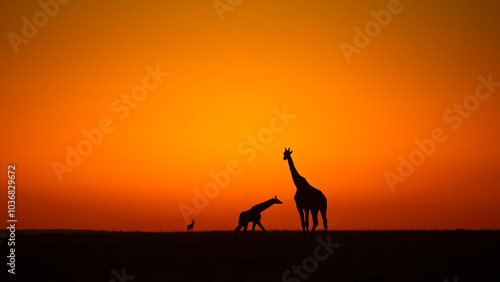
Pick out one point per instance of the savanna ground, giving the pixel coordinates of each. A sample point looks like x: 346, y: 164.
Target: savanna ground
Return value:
x: 220, y: 256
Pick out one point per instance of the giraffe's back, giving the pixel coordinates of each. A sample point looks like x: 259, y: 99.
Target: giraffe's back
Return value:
x: 249, y: 216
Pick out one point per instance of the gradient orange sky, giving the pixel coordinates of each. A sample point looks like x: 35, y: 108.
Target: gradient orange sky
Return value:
x: 352, y: 119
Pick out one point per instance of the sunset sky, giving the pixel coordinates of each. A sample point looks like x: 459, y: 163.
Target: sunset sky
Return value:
x: 217, y: 80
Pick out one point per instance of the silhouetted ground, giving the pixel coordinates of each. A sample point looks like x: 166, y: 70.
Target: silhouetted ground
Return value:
x: 220, y: 256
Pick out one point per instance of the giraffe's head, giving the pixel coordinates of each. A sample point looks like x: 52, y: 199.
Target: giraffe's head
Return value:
x: 286, y: 154
x: 276, y: 201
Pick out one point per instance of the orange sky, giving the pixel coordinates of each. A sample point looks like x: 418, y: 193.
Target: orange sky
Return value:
x: 353, y: 115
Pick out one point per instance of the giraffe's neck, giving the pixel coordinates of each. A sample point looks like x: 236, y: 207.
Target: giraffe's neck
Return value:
x: 263, y: 206
x: 293, y: 170
x: 299, y: 181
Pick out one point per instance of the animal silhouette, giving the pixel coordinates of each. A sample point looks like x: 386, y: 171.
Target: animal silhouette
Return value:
x: 307, y: 198
x: 190, y: 226
x: 253, y: 215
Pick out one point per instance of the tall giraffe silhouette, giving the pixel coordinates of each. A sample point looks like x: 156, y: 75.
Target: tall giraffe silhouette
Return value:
x: 307, y: 198
x: 253, y: 215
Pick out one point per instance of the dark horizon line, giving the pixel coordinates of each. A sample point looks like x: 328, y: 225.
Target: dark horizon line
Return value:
x: 229, y: 230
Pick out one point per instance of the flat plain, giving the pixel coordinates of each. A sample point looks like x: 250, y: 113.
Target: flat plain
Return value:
x: 75, y: 255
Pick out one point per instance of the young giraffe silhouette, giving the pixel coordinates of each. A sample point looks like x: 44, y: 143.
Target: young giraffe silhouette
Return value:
x: 307, y: 198
x: 253, y: 215
x: 190, y: 226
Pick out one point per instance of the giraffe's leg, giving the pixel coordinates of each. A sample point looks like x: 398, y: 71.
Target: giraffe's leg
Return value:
x: 253, y: 227
x: 325, y: 221
x: 245, y: 228
x: 238, y: 228
x: 301, y: 213
x: 261, y: 227
x: 314, y: 215
x: 306, y: 215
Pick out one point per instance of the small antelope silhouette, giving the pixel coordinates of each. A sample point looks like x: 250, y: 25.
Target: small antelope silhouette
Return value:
x: 190, y: 227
